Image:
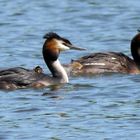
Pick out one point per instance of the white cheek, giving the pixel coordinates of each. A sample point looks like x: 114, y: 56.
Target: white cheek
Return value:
x: 61, y: 46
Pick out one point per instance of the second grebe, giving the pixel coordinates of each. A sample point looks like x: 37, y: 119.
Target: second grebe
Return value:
x: 113, y: 62
x: 18, y: 77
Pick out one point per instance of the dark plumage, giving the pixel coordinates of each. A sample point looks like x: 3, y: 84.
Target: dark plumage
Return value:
x: 113, y: 62
x: 51, y: 35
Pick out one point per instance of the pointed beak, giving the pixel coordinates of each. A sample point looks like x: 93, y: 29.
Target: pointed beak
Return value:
x: 72, y: 47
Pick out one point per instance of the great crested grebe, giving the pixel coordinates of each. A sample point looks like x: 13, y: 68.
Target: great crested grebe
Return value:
x: 18, y: 77
x: 114, y: 62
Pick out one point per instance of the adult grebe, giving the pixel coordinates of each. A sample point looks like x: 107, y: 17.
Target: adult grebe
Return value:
x: 113, y: 62
x: 19, y: 77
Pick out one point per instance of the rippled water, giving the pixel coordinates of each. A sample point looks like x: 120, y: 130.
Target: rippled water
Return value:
x: 101, y: 107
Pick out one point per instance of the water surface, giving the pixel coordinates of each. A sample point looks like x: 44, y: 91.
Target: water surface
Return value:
x: 101, y: 107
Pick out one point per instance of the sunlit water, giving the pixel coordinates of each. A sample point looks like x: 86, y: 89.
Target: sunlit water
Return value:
x: 101, y: 107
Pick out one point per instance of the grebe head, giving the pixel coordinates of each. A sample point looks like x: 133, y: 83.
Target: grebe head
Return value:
x: 53, y: 45
x: 60, y: 43
x: 135, y: 48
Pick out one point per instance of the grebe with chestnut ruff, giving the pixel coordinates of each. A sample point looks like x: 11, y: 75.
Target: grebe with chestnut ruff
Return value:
x: 18, y: 77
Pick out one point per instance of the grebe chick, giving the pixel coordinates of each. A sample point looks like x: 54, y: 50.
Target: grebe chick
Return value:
x: 19, y: 77
x: 38, y: 69
x: 114, y: 62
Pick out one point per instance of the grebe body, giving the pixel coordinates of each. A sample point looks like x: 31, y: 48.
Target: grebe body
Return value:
x: 110, y: 62
x: 18, y: 77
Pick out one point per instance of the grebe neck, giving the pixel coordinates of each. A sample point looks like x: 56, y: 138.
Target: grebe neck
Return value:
x: 135, y: 49
x: 58, y: 71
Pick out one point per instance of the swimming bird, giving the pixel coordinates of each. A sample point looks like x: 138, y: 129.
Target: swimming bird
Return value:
x: 109, y: 62
x: 38, y: 69
x: 18, y: 77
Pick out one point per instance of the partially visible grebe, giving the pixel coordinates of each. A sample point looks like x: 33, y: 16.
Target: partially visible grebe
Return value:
x: 113, y: 62
x: 19, y: 77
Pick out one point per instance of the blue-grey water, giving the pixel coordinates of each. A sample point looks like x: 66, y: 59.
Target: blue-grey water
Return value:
x: 101, y: 107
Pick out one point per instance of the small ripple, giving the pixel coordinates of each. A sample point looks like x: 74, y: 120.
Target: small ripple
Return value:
x: 17, y: 14
x: 5, y: 24
x: 137, y: 101
x: 54, y: 97
x: 1, y: 117
x: 22, y: 98
x: 75, y: 87
x: 27, y: 110
x: 3, y: 137
x: 54, y: 138
x: 112, y: 106
x: 63, y: 115
x: 124, y: 116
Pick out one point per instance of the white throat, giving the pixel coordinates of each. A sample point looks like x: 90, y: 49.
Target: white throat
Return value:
x: 56, y: 64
